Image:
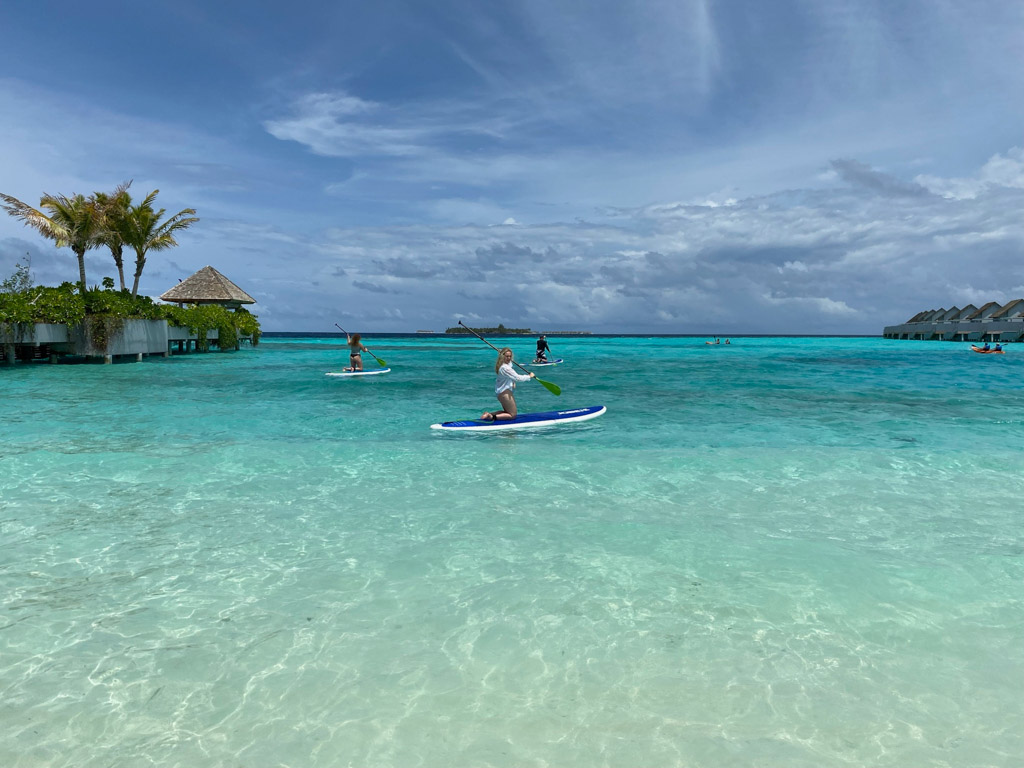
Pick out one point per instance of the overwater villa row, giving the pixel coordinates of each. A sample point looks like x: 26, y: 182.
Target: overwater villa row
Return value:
x: 991, y: 322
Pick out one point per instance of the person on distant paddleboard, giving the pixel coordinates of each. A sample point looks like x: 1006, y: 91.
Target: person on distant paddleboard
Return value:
x: 542, y: 349
x: 504, y: 387
x: 355, y: 350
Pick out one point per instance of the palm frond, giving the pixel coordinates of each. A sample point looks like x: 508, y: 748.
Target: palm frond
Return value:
x: 39, y: 221
x: 148, y: 202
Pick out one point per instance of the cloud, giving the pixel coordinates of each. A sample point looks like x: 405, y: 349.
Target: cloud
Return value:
x: 820, y: 304
x: 341, y: 125
x: 406, y: 267
x: 1000, y: 171
x: 362, y: 285
x: 508, y: 254
x: 833, y: 260
x: 861, y: 175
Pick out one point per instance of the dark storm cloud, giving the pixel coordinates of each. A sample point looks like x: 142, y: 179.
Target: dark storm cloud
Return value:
x: 372, y: 287
x: 509, y: 254
x: 861, y: 175
x: 405, y: 267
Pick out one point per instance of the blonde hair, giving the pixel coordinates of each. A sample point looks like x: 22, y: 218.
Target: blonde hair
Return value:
x: 501, y: 355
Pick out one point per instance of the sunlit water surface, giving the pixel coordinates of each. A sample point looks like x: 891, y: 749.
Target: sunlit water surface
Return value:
x: 784, y: 552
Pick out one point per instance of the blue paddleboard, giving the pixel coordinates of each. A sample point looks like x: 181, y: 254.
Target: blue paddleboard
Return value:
x: 372, y: 372
x: 549, y: 362
x: 545, y: 419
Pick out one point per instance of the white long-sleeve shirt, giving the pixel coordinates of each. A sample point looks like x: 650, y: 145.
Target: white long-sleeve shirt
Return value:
x: 507, y: 378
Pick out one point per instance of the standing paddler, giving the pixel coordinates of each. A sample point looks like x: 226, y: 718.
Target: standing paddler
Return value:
x: 542, y: 349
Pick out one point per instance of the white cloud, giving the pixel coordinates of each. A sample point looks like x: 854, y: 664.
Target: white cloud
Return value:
x: 820, y: 304
x: 841, y: 260
x: 1000, y: 171
x: 342, y: 125
x: 329, y: 124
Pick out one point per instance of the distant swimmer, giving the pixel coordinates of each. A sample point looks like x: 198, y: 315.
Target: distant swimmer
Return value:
x: 504, y: 387
x: 726, y: 341
x: 542, y: 349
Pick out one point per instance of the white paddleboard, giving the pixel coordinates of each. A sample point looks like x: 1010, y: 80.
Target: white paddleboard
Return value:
x: 538, y: 365
x: 374, y: 372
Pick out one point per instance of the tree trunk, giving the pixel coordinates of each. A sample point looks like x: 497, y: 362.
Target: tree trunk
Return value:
x: 117, y: 253
x: 140, y: 262
x: 81, y: 270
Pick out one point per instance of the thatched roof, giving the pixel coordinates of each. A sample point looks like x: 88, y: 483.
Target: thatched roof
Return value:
x: 208, y: 286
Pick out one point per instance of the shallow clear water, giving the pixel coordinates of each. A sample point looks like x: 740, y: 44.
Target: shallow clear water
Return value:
x: 799, y: 552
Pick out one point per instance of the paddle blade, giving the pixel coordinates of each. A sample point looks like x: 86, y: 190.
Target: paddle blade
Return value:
x: 554, y: 389
x: 380, y: 362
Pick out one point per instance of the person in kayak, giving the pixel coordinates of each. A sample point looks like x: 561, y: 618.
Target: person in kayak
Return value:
x: 355, y: 350
x: 542, y: 349
x: 504, y: 387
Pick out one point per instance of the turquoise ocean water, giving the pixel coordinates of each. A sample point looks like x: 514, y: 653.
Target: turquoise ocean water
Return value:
x: 785, y: 552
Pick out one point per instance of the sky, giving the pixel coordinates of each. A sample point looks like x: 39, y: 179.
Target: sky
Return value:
x: 781, y: 166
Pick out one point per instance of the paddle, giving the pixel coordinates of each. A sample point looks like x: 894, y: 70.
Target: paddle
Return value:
x: 380, y: 362
x: 554, y: 389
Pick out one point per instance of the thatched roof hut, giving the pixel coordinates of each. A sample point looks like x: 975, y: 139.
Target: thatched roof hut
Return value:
x: 208, y: 286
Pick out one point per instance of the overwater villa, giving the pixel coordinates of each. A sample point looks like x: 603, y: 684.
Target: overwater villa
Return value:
x: 990, y: 322
x: 109, y: 338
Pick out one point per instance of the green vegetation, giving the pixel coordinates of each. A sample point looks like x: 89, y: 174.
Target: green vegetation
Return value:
x: 42, y: 304
x: 104, y: 310
x: 501, y: 330
x: 112, y: 220
x: 23, y: 303
x: 200, y: 319
x: 20, y: 281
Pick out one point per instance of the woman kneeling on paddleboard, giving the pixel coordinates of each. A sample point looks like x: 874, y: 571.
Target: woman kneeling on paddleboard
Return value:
x: 355, y: 348
x: 504, y: 387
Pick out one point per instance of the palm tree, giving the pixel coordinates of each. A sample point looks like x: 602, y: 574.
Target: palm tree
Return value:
x: 144, y: 231
x: 72, y: 221
x: 113, y: 209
